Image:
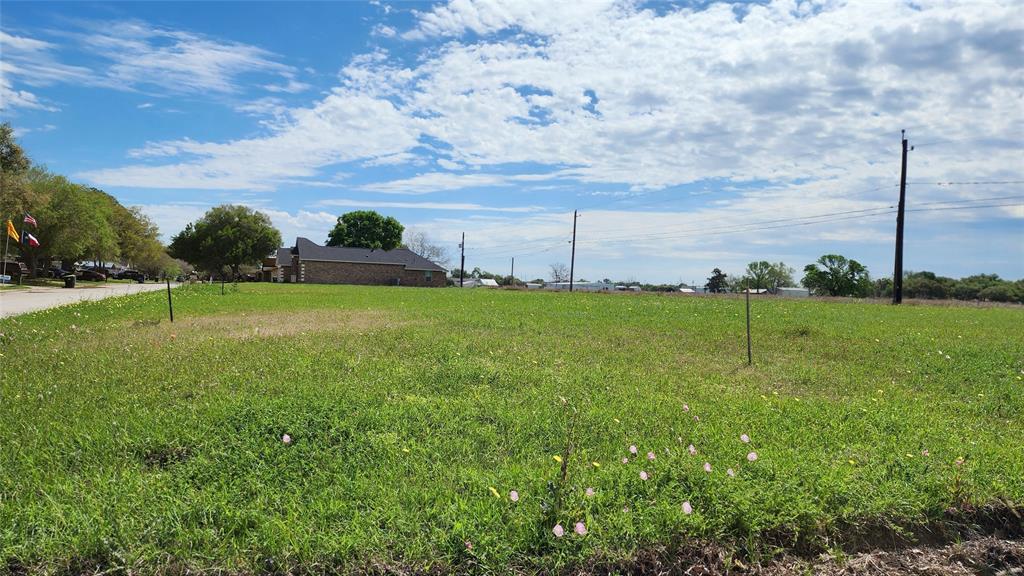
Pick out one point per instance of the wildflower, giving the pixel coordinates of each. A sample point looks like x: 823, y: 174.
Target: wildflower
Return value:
x: 696, y: 418
x: 686, y: 407
x: 752, y: 456
x: 707, y: 467
x: 925, y: 452
x: 650, y: 456
x: 617, y: 421
x: 469, y: 545
x: 632, y: 450
x: 558, y: 531
x: 513, y: 496
x: 406, y: 450
x: 580, y: 528
x: 494, y: 491
x: 687, y: 509
x: 557, y: 458
x: 595, y: 464
x: 590, y: 492
x: 745, y: 438
x: 625, y: 460
x: 643, y: 475
x: 959, y: 461
x: 692, y: 450
x: 731, y: 473
x: 286, y: 439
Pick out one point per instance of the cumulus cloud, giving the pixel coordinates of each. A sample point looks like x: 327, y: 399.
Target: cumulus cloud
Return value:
x: 612, y: 93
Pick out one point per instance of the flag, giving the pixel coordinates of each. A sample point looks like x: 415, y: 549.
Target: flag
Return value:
x: 31, y: 240
x: 12, y: 232
x: 30, y: 220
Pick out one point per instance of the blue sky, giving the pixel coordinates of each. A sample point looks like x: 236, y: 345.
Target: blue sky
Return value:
x: 688, y: 135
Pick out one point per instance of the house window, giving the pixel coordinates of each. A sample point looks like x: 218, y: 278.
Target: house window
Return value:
x: 428, y: 274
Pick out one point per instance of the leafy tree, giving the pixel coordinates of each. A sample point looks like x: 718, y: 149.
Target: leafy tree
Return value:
x: 765, y: 275
x: 970, y: 288
x: 559, y: 272
x: 12, y: 156
x: 227, y: 236
x: 420, y: 243
x: 366, y: 229
x: 718, y: 282
x: 837, y: 277
x: 1002, y: 292
x: 74, y: 223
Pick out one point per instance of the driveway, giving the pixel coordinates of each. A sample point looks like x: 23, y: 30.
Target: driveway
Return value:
x: 14, y: 302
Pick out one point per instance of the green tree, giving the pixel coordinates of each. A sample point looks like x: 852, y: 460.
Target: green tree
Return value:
x: 837, y: 277
x: 74, y: 223
x: 16, y: 196
x: 718, y: 282
x: 226, y: 237
x: 366, y: 229
x: 765, y: 275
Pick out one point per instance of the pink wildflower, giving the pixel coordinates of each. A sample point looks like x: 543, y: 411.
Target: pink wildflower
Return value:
x: 752, y: 456
x: 924, y: 452
x: 959, y: 461
x: 558, y: 531
x: 469, y: 545
x: 650, y: 456
x: 686, y: 407
x: 632, y: 450
x: 625, y: 460
x: 730, y: 472
x: 513, y: 496
x: 590, y: 492
x: 643, y: 475
x: 286, y: 439
x: 687, y: 509
x: 707, y: 467
x: 692, y: 449
x: 696, y: 418
x: 744, y: 438
x: 580, y: 528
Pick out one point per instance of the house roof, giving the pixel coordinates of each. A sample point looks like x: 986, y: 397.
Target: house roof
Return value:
x: 284, y: 256
x: 309, y: 250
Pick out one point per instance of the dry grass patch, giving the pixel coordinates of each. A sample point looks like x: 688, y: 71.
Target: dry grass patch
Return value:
x: 272, y: 324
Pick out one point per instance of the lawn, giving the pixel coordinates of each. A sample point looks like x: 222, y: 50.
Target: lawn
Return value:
x: 413, y: 414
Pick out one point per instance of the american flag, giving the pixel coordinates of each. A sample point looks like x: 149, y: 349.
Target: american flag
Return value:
x: 30, y: 220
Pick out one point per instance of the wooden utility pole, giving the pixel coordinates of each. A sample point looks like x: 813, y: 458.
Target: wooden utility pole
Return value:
x: 572, y: 261
x: 462, y: 263
x: 512, y: 274
x: 897, y: 274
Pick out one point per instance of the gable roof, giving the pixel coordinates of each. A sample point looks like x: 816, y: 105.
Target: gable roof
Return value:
x: 309, y: 250
x: 284, y: 257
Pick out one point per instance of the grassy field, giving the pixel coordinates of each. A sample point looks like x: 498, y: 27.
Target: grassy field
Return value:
x: 413, y: 414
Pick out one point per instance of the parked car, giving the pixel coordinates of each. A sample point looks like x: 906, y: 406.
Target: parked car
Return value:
x: 55, y: 272
x: 86, y: 274
x: 128, y: 274
x: 13, y: 269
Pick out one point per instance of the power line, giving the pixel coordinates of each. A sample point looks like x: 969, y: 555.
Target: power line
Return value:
x: 979, y: 183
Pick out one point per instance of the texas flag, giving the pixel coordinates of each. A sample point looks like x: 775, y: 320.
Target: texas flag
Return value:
x: 29, y: 239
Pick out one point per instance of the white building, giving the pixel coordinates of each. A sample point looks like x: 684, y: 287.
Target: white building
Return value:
x: 793, y: 292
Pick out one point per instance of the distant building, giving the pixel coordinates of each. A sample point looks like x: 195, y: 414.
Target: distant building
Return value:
x: 793, y: 292
x: 581, y: 286
x: 479, y: 283
x: 310, y: 263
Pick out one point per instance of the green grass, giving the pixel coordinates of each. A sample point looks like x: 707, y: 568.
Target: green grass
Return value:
x: 158, y: 446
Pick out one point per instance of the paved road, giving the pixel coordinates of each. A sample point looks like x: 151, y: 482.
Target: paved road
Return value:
x: 14, y: 302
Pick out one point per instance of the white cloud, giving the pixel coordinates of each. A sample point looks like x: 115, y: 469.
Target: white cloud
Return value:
x: 342, y: 127
x: 145, y: 105
x: 435, y: 182
x: 460, y: 206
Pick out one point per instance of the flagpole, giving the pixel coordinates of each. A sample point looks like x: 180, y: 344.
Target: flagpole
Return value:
x: 7, y: 245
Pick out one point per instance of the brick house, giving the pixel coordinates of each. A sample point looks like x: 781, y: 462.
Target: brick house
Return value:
x: 310, y: 263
